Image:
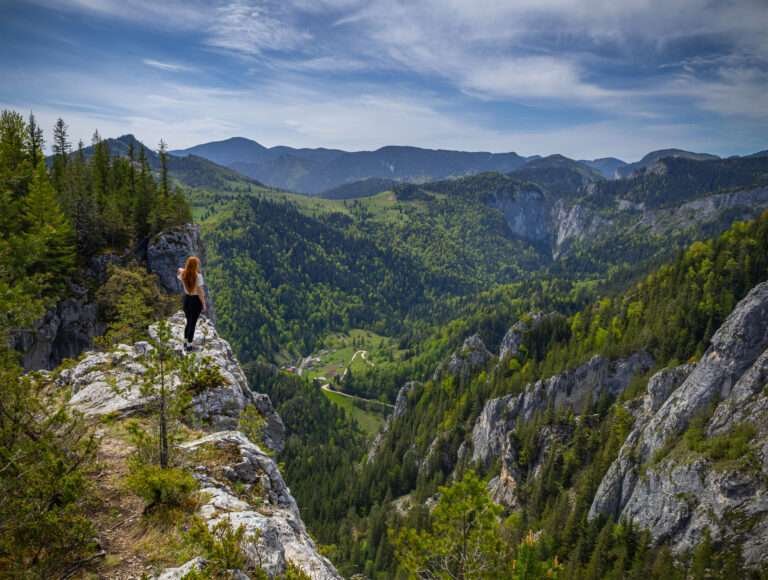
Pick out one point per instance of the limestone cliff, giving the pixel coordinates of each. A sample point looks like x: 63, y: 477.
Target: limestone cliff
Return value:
x: 676, y: 492
x: 244, y: 484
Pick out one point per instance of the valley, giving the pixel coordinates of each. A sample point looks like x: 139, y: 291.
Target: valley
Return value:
x: 383, y: 290
x: 510, y: 340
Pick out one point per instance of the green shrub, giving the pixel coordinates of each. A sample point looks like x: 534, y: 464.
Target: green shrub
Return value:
x: 222, y: 549
x: 129, y: 301
x: 169, y: 487
x: 200, y: 375
x: 730, y: 446
x: 252, y: 424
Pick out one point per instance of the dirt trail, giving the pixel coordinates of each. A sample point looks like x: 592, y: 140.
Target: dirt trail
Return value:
x: 117, y: 515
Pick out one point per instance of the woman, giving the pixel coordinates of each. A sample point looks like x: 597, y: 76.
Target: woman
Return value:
x: 194, y: 296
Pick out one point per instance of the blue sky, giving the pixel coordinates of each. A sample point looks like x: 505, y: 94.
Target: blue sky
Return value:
x: 586, y: 79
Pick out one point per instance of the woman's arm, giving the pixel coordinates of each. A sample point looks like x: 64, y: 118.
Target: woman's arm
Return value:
x: 201, y: 294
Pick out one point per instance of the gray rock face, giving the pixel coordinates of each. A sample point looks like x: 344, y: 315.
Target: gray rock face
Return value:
x: 742, y: 205
x: 527, y: 214
x: 472, y: 356
x: 64, y: 332
x: 661, y: 385
x: 401, y: 406
x: 110, y: 382
x: 167, y: 252
x: 685, y: 493
x: 401, y: 402
x: 510, y: 344
x: 574, y: 223
x: 573, y: 389
x: 180, y: 572
x: 281, y: 537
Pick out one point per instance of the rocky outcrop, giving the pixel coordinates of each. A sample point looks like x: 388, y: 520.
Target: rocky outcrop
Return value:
x: 574, y: 223
x: 513, y: 339
x: 740, y: 205
x: 239, y: 481
x: 110, y: 382
x: 472, y: 356
x: 64, y: 332
x: 574, y: 389
x: 678, y: 493
x: 167, y: 251
x: 401, y: 406
x: 527, y: 213
x: 70, y: 327
x: 276, y: 533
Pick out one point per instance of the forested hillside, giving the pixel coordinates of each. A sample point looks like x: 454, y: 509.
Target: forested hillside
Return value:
x: 669, y: 315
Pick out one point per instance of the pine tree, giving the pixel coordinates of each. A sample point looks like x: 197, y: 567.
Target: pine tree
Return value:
x: 35, y: 141
x: 49, y: 241
x: 163, y: 153
x: 61, y: 149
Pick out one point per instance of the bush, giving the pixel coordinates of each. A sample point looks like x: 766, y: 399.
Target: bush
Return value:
x: 200, y: 375
x: 170, y: 487
x: 129, y: 301
x: 222, y: 549
x: 252, y: 424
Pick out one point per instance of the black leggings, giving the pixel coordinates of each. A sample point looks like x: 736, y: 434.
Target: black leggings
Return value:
x: 193, y: 306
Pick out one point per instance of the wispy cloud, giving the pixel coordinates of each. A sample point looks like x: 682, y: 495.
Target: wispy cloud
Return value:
x: 536, y: 76
x: 167, y: 66
x: 252, y: 28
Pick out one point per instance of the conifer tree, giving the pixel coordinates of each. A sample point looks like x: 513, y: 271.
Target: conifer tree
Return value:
x: 61, y: 149
x: 163, y: 153
x: 49, y: 240
x: 35, y: 141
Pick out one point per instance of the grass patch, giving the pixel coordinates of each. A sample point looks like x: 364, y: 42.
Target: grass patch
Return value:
x: 369, y: 422
x: 338, y: 353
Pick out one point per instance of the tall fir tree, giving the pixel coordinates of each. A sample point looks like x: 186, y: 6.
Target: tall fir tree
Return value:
x: 61, y: 149
x: 35, y: 141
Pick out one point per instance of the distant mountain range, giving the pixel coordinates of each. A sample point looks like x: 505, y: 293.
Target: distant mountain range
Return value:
x: 334, y: 173
x: 190, y: 170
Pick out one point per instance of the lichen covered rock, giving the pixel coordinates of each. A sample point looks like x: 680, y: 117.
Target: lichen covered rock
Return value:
x: 243, y: 486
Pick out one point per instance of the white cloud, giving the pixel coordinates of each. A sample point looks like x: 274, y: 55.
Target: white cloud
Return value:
x: 251, y: 28
x: 167, y: 66
x: 281, y: 113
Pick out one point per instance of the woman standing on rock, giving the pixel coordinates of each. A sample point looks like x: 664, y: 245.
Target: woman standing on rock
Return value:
x: 194, y: 296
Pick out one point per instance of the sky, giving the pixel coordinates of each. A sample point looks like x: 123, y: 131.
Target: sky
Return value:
x: 586, y: 79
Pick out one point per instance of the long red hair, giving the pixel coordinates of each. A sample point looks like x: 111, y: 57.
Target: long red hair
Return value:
x: 189, y: 275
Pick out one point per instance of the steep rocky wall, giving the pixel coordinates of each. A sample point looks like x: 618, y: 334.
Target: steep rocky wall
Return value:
x: 676, y: 492
x: 168, y: 250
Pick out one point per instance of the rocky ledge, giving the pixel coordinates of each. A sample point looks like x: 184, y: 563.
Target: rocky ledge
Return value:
x: 110, y: 382
x: 273, y: 522
x: 243, y: 483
